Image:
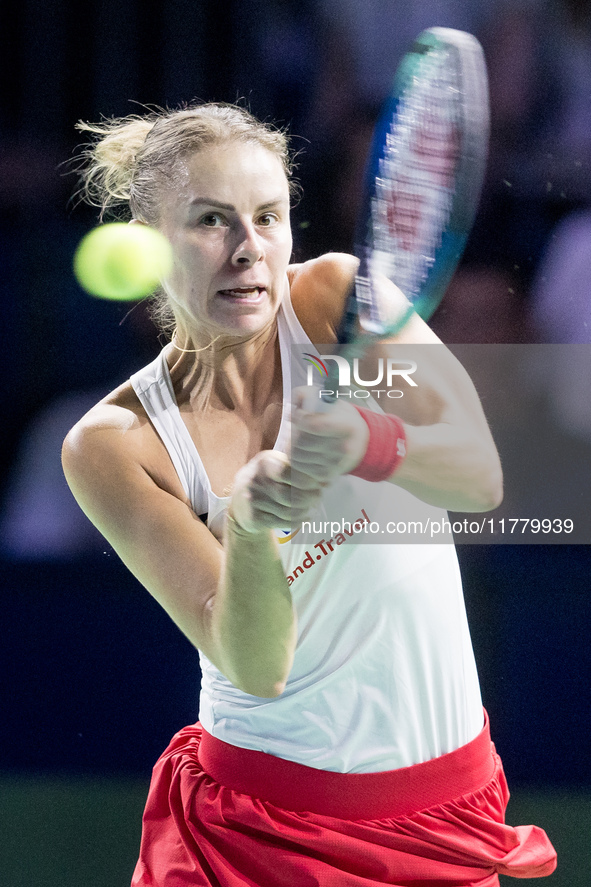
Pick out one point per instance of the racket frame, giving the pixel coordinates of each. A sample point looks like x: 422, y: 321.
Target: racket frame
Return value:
x: 358, y: 330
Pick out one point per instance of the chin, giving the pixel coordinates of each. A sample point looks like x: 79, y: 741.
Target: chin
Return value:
x: 253, y: 327
x: 245, y: 324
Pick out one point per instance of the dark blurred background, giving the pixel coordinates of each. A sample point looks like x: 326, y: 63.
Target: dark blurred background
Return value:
x: 95, y: 678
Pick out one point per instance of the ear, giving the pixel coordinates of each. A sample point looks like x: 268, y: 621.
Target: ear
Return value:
x: 136, y: 222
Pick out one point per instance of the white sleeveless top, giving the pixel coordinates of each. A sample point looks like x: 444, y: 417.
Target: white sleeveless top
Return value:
x: 384, y: 673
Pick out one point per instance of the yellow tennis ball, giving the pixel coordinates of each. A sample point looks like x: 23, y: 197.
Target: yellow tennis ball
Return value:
x: 122, y: 262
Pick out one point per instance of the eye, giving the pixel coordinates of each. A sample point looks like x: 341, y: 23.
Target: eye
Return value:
x: 212, y: 220
x: 267, y: 220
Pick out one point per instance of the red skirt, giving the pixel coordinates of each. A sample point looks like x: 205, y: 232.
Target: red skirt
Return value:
x: 227, y: 816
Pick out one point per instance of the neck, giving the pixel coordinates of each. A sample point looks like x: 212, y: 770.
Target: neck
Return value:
x: 228, y: 373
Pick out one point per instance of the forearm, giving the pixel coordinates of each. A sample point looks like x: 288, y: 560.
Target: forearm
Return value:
x: 452, y: 461
x: 452, y: 467
x: 253, y: 620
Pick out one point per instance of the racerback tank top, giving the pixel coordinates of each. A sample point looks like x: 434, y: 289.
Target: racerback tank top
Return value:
x: 384, y: 673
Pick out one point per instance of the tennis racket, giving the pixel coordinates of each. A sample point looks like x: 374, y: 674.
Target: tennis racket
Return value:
x: 423, y: 181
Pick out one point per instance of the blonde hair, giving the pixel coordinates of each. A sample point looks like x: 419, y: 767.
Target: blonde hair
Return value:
x: 129, y: 160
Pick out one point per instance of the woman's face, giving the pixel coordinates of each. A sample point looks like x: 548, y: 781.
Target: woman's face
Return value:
x: 227, y: 217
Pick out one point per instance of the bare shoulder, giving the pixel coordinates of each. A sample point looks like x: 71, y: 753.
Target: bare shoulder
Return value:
x: 319, y: 289
x: 328, y: 276
x: 105, y: 426
x: 113, y: 441
x: 330, y: 268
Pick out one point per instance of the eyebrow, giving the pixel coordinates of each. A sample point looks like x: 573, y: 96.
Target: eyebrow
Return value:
x: 206, y: 201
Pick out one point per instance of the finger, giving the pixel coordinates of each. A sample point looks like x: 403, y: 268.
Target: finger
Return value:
x: 273, y: 515
x: 317, y: 438
x: 294, y: 486
x: 271, y: 463
x: 270, y: 493
x: 316, y: 454
x: 317, y: 449
x: 320, y: 424
x: 311, y: 475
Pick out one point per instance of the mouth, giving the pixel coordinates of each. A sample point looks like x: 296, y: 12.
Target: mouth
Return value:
x: 243, y: 293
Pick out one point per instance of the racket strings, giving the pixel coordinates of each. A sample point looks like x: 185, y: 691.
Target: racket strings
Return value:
x: 414, y: 189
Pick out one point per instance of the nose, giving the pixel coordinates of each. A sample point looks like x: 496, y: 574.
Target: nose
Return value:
x: 249, y: 248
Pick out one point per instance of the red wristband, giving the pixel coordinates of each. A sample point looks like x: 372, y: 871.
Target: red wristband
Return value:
x: 386, y: 448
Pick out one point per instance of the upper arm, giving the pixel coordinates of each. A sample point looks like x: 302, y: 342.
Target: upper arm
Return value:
x: 158, y: 536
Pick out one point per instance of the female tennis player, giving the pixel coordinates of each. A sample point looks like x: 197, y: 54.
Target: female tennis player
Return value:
x: 342, y: 739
